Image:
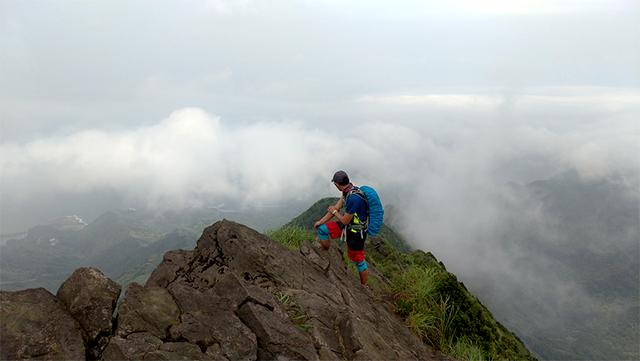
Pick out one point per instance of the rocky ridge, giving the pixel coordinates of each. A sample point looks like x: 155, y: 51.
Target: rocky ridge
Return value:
x: 237, y: 296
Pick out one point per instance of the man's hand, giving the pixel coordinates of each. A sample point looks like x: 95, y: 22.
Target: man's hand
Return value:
x: 317, y: 224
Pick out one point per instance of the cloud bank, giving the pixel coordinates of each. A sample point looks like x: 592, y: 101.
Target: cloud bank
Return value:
x: 445, y: 149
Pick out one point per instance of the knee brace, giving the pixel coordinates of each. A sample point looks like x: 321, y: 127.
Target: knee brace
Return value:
x: 361, y: 266
x: 323, y: 232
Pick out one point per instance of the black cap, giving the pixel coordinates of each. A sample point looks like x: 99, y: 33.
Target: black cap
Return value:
x: 341, y: 178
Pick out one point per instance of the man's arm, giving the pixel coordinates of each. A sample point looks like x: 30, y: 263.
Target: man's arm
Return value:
x: 334, y: 210
x: 344, y: 218
x: 330, y: 214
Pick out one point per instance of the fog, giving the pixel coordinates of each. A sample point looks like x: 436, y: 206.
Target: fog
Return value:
x: 449, y: 109
x: 457, y: 160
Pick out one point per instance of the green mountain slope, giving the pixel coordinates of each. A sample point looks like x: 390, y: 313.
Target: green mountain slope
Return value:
x: 434, y: 304
x: 125, y: 245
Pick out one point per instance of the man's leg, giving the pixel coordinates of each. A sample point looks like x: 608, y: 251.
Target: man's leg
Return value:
x: 322, y: 236
x: 325, y: 243
x: 363, y: 270
x: 357, y: 257
x: 364, y: 277
x: 326, y: 232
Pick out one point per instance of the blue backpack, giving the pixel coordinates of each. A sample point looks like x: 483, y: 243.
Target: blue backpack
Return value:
x: 374, y: 206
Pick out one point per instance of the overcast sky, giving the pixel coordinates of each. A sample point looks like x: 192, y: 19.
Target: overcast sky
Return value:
x: 69, y: 65
x: 177, y: 104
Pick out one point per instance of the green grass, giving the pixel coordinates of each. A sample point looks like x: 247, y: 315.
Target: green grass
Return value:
x: 292, y: 236
x: 466, y: 350
x: 295, y: 312
x: 428, y: 313
x: 438, y: 308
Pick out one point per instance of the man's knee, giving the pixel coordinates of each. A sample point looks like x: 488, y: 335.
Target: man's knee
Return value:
x: 323, y: 232
x: 361, y: 266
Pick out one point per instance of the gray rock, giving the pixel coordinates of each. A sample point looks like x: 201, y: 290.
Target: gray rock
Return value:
x: 215, y: 353
x: 34, y: 325
x: 90, y: 297
x: 238, y: 291
x: 209, y: 320
x: 173, y: 264
x: 277, y: 336
x: 321, y: 311
x: 133, y: 347
x: 147, y: 309
x: 177, y: 351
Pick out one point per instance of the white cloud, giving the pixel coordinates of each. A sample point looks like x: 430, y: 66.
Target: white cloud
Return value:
x: 188, y: 158
x: 452, y: 101
x: 193, y: 157
x: 413, y: 8
x: 228, y: 7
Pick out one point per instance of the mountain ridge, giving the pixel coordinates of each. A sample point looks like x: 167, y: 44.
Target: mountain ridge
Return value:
x: 389, y: 256
x: 396, y: 266
x: 237, y: 296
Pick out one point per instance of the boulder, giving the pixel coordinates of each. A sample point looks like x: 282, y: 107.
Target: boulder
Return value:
x: 208, y: 320
x: 173, y: 263
x: 278, y: 337
x: 147, y: 309
x: 33, y: 324
x: 90, y: 297
x: 132, y: 347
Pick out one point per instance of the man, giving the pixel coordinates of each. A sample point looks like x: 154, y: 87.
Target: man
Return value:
x: 352, y: 223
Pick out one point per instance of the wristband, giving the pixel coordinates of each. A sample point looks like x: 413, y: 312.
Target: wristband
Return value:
x: 334, y: 212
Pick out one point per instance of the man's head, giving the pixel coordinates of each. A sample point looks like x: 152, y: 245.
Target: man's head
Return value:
x: 340, y: 179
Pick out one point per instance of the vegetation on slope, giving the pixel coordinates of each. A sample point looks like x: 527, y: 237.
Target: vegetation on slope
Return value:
x: 434, y: 304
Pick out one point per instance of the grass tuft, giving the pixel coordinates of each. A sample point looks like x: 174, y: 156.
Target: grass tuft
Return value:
x: 291, y: 236
x: 296, y: 313
x: 466, y: 350
x: 428, y: 313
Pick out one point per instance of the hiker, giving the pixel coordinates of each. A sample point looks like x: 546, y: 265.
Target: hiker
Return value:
x: 352, y: 224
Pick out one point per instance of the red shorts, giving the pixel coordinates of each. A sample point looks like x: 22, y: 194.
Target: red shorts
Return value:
x: 332, y: 230
x: 356, y: 256
x: 329, y: 230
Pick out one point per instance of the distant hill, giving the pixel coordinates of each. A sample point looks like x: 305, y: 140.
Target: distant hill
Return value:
x: 123, y: 244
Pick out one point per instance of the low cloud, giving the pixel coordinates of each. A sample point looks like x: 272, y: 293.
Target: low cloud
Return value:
x: 185, y: 160
x: 445, y: 152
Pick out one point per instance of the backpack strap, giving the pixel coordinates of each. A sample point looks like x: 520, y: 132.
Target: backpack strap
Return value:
x: 364, y: 226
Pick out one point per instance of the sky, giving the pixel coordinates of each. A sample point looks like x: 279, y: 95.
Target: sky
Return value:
x: 174, y: 104
x: 166, y: 104
x: 440, y: 105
